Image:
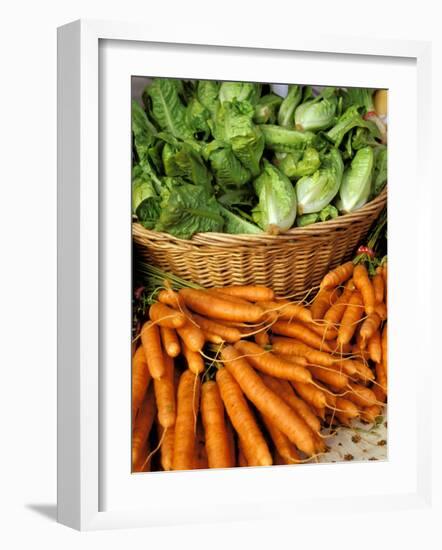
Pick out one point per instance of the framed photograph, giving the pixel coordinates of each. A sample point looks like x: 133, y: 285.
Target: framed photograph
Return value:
x: 231, y: 223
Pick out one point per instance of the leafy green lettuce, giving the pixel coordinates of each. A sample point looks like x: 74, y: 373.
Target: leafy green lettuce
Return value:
x: 296, y: 165
x: 188, y: 209
x: 240, y: 91
x: 356, y: 182
x: 316, y: 191
x: 283, y: 140
x: 165, y: 106
x: 276, y: 209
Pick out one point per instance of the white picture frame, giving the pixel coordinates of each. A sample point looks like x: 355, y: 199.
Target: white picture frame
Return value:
x: 83, y: 211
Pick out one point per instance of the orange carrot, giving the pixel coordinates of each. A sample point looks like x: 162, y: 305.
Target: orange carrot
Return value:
x: 171, y: 344
x: 381, y: 376
x: 384, y: 345
x: 212, y: 338
x: 262, y: 338
x: 219, y: 308
x: 370, y: 414
x: 349, y: 408
x: 324, y: 330
x: 231, y: 439
x: 143, y: 465
x: 242, y: 461
x: 229, y: 334
x: 333, y: 315
x: 150, y: 339
x: 252, y: 441
x: 165, y: 316
x: 297, y: 359
x: 140, y: 379
x: 364, y: 372
x: 194, y: 360
x: 268, y: 403
x: 333, y: 378
x: 288, y: 311
x: 270, y: 363
x: 380, y: 394
x: 289, y: 346
x: 166, y: 448
x: 352, y: 315
x: 285, y: 391
x: 252, y: 293
x: 381, y: 310
x: 217, y: 442
x: 200, y: 461
x: 187, y: 408
x: 311, y: 395
x: 301, y: 333
x: 360, y: 395
x: 369, y: 326
x: 337, y: 276
x: 378, y: 286
x: 323, y: 301
x: 283, y: 445
x: 364, y: 285
x: 374, y: 347
x: 192, y: 336
x: 142, y: 425
x: 171, y: 298
x: 165, y: 395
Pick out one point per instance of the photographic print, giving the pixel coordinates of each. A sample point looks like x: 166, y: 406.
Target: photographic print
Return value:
x: 259, y: 227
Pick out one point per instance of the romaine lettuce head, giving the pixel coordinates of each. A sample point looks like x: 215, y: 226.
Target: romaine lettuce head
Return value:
x: 240, y: 91
x: 267, y: 108
x: 288, y: 106
x: 276, y: 209
x: 234, y: 125
x: 296, y: 165
x: 284, y: 140
x: 165, y: 107
x: 356, y: 182
x: 316, y: 114
x: 187, y: 209
x: 228, y: 170
x: 316, y: 191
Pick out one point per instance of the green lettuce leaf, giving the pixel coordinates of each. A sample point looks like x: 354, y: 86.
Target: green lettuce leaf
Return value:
x: 237, y: 225
x: 188, y: 209
x: 240, y: 91
x: 276, y: 209
x: 207, y: 94
x: 266, y: 109
x: 143, y: 130
x: 316, y: 191
x: 286, y: 114
x: 284, y: 140
x: 380, y: 169
x: 228, y: 170
x: 234, y: 125
x: 196, y: 117
x: 182, y: 160
x: 296, y: 165
x: 166, y: 108
x: 351, y: 118
x: 316, y: 114
x: 356, y: 182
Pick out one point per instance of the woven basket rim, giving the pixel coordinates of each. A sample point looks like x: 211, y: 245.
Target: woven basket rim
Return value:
x: 316, y: 229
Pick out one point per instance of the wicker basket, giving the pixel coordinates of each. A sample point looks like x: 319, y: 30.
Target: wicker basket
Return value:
x: 290, y: 263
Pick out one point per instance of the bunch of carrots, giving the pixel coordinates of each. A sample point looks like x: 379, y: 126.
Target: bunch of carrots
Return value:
x: 234, y: 376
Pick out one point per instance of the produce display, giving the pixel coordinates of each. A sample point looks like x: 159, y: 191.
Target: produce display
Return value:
x: 236, y: 157
x: 234, y: 376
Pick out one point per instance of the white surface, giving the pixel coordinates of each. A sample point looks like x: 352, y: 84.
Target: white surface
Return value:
x: 27, y: 175
x: 176, y: 495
